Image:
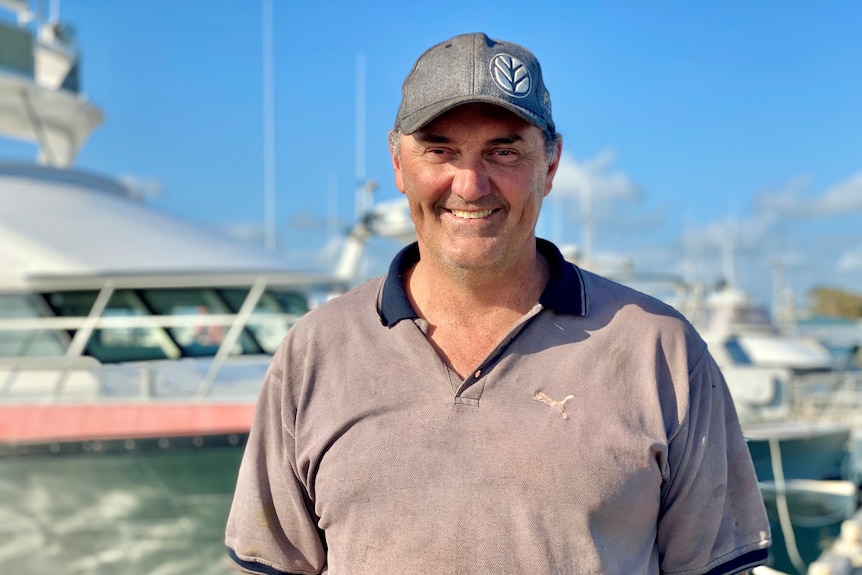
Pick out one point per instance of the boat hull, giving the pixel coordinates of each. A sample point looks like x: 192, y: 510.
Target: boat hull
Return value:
x: 805, y: 517
x: 803, y: 469
x: 808, y: 451
x: 56, y: 423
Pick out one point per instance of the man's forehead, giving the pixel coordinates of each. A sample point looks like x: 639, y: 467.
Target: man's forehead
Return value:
x: 505, y: 123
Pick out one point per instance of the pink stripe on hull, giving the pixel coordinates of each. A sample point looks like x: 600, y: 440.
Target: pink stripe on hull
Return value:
x: 69, y: 422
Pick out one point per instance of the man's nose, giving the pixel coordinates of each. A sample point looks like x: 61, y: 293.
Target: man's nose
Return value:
x: 471, y: 179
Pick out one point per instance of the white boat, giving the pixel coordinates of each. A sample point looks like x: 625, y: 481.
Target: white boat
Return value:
x: 107, y: 306
x: 785, y: 386
x: 759, y: 361
x: 132, y: 344
x: 117, y: 321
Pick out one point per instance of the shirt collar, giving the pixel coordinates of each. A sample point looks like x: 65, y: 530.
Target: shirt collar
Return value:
x: 565, y: 292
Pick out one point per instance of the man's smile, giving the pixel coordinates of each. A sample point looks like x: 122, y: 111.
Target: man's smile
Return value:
x: 471, y: 215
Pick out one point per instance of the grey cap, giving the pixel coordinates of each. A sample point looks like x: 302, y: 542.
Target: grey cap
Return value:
x: 473, y: 68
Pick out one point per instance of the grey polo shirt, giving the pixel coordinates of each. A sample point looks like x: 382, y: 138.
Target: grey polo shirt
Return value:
x: 598, y: 437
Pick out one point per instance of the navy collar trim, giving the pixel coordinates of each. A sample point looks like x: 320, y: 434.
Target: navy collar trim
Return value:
x: 565, y: 292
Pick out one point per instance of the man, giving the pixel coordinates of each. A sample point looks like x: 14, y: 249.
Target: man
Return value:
x: 488, y: 407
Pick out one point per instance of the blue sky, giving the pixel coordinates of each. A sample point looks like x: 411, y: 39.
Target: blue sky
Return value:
x: 691, y: 122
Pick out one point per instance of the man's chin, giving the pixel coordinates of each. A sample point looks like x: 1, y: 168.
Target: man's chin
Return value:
x: 477, y: 256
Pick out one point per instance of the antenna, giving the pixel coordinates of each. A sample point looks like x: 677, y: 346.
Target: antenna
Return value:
x: 268, y: 130
x: 587, y: 220
x: 364, y: 187
x: 332, y: 209
x: 728, y: 252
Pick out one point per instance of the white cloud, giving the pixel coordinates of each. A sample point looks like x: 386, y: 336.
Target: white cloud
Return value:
x: 851, y: 260
x: 577, y: 179
x: 739, y: 233
x: 841, y: 199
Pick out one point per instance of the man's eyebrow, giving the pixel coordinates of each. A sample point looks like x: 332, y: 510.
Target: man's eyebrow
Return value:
x: 432, y: 138
x: 509, y: 139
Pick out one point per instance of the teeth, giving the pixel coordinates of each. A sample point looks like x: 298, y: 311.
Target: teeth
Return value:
x: 472, y: 215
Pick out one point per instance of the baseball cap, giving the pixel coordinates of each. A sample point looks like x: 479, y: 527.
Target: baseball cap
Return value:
x: 473, y: 68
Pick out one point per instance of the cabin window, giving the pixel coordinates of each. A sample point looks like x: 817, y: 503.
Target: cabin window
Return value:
x: 147, y: 324
x: 212, y: 318
x: 737, y: 354
x: 133, y: 342
x: 32, y: 342
x: 267, y: 328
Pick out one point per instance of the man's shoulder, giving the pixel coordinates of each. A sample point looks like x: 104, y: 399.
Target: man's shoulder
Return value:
x: 354, y: 304
x: 630, y: 313
x: 606, y: 294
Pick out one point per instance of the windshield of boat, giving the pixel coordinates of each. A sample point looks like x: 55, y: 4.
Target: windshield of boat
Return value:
x: 146, y: 324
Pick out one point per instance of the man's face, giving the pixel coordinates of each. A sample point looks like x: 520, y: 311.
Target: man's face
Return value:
x: 475, y: 178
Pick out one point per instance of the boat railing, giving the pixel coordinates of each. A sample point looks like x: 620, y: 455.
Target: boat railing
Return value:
x: 77, y: 376
x: 830, y: 396
x: 51, y: 377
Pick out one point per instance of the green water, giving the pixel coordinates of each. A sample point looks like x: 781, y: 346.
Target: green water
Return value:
x: 156, y: 511
x: 145, y: 512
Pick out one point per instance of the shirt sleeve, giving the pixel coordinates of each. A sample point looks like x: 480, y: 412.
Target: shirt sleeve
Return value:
x: 712, y: 510
x: 272, y: 527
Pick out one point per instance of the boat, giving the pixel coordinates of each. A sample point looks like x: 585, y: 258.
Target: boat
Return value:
x: 757, y: 359
x: 841, y: 336
x: 132, y: 343
x: 118, y: 321
x: 784, y: 385
x: 810, y: 451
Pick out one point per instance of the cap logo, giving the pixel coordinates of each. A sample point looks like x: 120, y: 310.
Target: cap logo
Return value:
x: 511, y: 75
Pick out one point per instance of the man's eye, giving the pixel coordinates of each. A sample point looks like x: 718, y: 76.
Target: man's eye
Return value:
x: 437, y: 154
x: 505, y: 155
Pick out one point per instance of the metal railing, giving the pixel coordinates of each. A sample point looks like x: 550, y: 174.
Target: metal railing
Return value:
x: 75, y: 375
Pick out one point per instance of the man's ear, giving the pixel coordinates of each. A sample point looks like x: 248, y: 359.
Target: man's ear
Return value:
x: 395, y: 152
x: 553, y: 165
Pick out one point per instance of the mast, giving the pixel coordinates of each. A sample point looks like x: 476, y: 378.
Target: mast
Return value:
x: 268, y: 130
x: 364, y: 186
x: 587, y: 221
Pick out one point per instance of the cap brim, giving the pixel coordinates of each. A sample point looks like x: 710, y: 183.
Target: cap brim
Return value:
x: 414, y: 122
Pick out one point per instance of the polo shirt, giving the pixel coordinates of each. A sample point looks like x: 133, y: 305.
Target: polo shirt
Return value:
x: 598, y: 437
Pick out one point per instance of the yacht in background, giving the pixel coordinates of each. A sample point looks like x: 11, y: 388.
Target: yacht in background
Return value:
x: 132, y: 343
x: 759, y: 360
x: 117, y: 321
x: 784, y: 385
x: 121, y: 322
x: 774, y: 373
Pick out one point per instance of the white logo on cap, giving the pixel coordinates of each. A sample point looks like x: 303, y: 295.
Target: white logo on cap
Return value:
x: 511, y: 75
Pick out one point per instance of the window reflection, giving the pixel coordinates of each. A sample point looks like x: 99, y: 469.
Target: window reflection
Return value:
x: 126, y: 343
x: 163, y: 323
x: 205, y: 335
x: 29, y: 342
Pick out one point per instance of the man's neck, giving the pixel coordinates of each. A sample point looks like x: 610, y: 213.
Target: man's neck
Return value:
x: 467, y: 316
x: 434, y: 290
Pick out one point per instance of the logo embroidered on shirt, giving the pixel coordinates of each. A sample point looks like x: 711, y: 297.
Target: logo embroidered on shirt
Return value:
x: 559, y: 405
